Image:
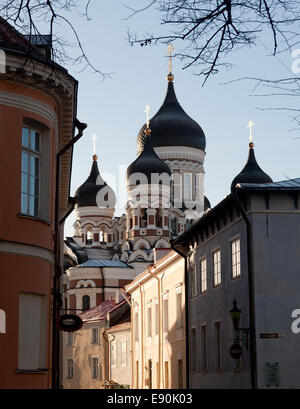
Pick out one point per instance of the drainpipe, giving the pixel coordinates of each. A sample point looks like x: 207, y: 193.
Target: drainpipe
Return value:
x: 142, y: 338
x: 186, y: 291
x: 103, y: 284
x: 253, y: 354
x: 159, y: 324
x: 58, y: 270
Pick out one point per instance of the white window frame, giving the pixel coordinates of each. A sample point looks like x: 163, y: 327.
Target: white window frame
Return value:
x: 235, y: 258
x: 203, y: 275
x: 187, y: 186
x: 70, y: 368
x: 217, y: 267
x: 95, y: 340
x: 28, y: 174
x: 95, y: 375
x: 113, y: 354
x: 165, y: 313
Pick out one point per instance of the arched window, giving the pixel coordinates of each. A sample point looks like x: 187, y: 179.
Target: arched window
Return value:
x: 89, y: 236
x: 102, y: 234
x: 85, y: 302
x: 143, y: 217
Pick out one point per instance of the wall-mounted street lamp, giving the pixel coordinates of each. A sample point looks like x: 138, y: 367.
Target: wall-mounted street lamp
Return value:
x: 235, y: 314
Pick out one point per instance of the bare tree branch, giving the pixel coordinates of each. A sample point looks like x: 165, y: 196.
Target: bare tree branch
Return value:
x: 28, y: 16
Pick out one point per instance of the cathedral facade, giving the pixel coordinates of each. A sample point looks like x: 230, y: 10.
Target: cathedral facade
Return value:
x: 165, y: 186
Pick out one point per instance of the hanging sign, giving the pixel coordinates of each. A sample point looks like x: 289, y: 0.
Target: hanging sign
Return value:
x: 235, y: 351
x: 69, y: 322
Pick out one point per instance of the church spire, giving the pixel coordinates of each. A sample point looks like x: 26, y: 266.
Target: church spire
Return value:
x: 252, y: 172
x: 170, y: 76
x: 94, y: 138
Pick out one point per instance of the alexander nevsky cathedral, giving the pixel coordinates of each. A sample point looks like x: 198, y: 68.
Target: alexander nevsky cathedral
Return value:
x: 165, y: 186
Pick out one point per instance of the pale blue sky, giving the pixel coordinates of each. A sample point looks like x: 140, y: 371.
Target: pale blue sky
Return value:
x: 114, y: 109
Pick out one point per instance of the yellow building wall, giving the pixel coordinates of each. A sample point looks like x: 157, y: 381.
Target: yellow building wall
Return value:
x: 158, y: 359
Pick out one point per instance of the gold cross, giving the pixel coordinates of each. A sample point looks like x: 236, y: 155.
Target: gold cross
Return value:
x: 250, y: 124
x: 147, y: 110
x: 94, y: 138
x: 170, y: 49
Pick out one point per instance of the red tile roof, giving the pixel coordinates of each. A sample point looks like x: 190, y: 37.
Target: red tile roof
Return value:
x: 99, y: 312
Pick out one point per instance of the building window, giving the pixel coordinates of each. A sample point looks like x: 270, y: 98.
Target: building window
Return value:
x: 113, y: 352
x: 203, y: 275
x: 137, y: 374
x: 70, y: 368
x: 235, y: 258
x: 156, y: 318
x: 193, y: 281
x: 187, y: 186
x: 204, y: 347
x: 166, y: 315
x: 166, y: 375
x: 193, y: 345
x: 217, y: 267
x: 179, y: 310
x: 32, y: 332
x: 218, y: 346
x: 95, y: 368
x: 136, y: 327
x: 149, y: 312
x: 70, y: 339
x: 150, y: 373
x: 123, y: 354
x: 95, y: 335
x: 180, y: 374
x: 85, y: 302
x: 2, y: 322
x: 30, y: 172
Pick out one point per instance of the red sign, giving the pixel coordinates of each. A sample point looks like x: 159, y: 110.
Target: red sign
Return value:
x: 269, y: 335
x: 235, y: 351
x: 69, y: 322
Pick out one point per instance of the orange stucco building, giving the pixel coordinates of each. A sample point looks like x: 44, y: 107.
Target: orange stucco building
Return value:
x: 37, y: 130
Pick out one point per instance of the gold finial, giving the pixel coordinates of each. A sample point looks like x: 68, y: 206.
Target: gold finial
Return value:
x: 94, y: 138
x: 250, y: 124
x: 170, y: 76
x: 147, y: 110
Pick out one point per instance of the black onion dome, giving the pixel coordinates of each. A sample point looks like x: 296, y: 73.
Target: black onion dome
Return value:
x: 207, y: 204
x: 171, y: 126
x: 251, y: 172
x: 148, y: 163
x: 87, y: 193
